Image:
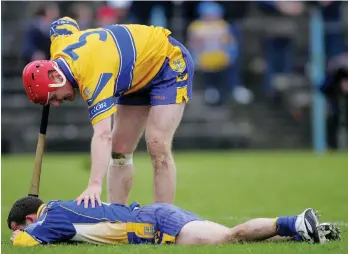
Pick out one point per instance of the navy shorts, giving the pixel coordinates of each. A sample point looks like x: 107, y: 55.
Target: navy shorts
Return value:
x: 168, y: 86
x: 163, y: 221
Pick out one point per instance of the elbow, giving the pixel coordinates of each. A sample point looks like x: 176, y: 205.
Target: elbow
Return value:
x: 104, y: 135
x: 102, y: 130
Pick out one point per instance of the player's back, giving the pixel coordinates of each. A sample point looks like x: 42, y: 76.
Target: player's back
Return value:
x: 79, y: 214
x: 132, y: 54
x: 150, y: 42
x: 152, y: 48
x: 103, y: 224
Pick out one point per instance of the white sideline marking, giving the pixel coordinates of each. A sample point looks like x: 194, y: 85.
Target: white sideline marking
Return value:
x: 234, y: 218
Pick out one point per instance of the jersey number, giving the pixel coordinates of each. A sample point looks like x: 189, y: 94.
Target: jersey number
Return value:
x: 69, y: 50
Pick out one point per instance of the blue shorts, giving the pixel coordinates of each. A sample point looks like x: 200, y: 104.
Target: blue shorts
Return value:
x: 168, y: 86
x: 167, y: 221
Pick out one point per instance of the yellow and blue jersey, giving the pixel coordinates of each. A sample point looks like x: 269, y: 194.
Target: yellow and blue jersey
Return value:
x: 112, y: 61
x: 65, y: 221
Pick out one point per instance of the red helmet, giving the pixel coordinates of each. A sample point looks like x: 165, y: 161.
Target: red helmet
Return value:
x: 37, y: 83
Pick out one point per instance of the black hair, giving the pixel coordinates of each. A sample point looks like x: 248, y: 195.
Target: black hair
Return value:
x: 21, y: 208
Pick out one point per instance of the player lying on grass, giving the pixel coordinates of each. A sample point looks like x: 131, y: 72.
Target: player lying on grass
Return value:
x: 34, y: 223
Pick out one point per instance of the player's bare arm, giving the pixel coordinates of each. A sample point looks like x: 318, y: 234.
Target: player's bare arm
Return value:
x: 100, y: 154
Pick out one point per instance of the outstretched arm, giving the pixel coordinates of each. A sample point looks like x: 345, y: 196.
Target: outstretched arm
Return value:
x: 100, y: 155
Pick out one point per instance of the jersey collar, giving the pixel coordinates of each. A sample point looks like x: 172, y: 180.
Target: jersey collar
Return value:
x: 41, y: 210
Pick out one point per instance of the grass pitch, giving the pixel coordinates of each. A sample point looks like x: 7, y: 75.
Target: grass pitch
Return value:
x: 226, y: 187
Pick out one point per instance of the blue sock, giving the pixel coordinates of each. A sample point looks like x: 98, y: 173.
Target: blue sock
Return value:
x: 286, y: 225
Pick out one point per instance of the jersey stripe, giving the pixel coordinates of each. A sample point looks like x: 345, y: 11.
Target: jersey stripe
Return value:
x: 127, y: 52
x: 135, y: 54
x: 102, y: 82
x: 101, y: 107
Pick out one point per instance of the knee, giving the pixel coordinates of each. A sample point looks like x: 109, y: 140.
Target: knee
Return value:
x: 121, y: 146
x: 237, y: 234
x: 158, y: 146
x: 121, y: 154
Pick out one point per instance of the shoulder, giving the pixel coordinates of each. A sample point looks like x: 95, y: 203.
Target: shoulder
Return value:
x: 63, y: 27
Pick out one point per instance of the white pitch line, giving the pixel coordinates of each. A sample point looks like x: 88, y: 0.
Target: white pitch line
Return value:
x: 234, y: 218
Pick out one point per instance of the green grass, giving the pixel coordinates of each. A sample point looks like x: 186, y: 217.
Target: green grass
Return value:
x: 227, y: 187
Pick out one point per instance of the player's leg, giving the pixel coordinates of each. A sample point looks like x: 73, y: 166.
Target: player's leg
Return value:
x: 161, y: 125
x: 169, y: 95
x: 129, y: 124
x: 205, y: 232
x: 211, y: 233
x: 176, y: 225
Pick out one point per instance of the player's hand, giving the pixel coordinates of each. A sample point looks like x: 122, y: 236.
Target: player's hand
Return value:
x: 92, y: 193
x: 14, y: 234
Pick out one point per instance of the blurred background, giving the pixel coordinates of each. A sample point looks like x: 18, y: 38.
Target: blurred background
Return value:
x: 269, y: 75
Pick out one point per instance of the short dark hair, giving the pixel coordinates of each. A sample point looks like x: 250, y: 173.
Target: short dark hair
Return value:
x: 23, y: 207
